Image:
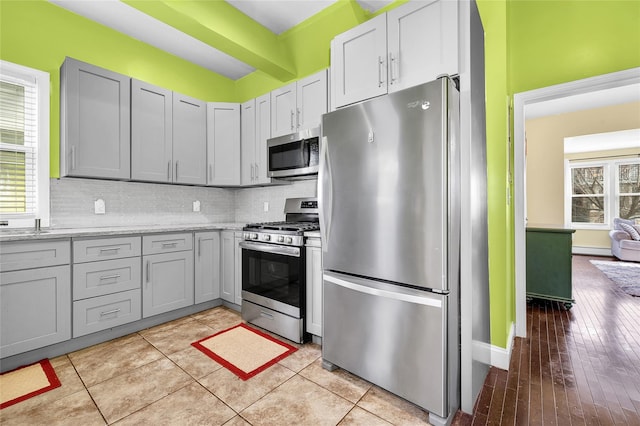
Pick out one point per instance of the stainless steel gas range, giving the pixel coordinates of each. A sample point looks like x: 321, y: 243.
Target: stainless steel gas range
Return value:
x: 273, y: 270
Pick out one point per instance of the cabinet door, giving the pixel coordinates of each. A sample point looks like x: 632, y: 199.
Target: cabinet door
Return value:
x: 263, y: 133
x: 167, y: 282
x: 227, y: 263
x: 358, y: 62
x: 189, y: 140
x: 151, y: 132
x: 423, y: 42
x: 223, y: 144
x: 35, y: 309
x: 238, y: 267
x: 207, y: 266
x: 283, y: 106
x: 311, y: 100
x: 248, y: 138
x: 314, y: 290
x: 95, y: 121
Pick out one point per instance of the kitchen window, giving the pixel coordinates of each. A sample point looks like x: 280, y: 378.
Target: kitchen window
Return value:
x: 599, y: 191
x: 24, y: 145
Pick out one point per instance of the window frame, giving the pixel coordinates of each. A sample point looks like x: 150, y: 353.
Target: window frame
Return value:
x: 610, y: 187
x: 42, y: 208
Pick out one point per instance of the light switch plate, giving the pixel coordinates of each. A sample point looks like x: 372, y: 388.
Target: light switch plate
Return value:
x: 99, y: 207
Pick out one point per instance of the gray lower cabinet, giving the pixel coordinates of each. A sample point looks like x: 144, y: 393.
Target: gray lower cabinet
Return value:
x: 167, y: 276
x: 106, y: 283
x: 95, y: 122
x: 207, y: 266
x: 314, y: 286
x: 228, y: 266
x: 238, y: 269
x: 35, y: 297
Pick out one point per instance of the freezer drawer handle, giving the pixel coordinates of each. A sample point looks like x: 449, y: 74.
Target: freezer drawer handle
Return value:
x: 384, y: 293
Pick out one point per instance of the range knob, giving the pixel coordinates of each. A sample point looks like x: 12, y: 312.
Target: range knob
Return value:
x: 254, y: 236
x: 247, y: 236
x: 289, y: 240
x: 266, y: 238
x: 281, y: 239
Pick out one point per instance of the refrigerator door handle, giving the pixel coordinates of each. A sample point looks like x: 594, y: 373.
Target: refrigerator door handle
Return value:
x: 326, y: 202
x: 395, y: 295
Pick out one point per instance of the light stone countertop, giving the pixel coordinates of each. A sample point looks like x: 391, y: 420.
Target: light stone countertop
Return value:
x: 27, y: 234
x: 312, y: 234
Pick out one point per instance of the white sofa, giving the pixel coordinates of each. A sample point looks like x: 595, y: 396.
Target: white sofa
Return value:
x: 622, y: 245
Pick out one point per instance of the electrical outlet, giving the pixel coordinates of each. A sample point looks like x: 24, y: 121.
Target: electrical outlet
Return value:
x: 196, y: 206
x: 99, y: 207
x: 266, y: 206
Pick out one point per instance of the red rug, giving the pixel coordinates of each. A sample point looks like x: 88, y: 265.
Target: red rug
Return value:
x: 26, y: 382
x: 243, y: 350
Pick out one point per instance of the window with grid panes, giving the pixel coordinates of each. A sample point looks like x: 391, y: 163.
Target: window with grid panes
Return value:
x: 24, y: 145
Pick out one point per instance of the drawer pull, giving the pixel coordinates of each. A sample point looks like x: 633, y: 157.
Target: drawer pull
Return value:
x: 109, y: 250
x: 266, y: 315
x: 169, y: 245
x: 113, y: 311
x: 110, y: 277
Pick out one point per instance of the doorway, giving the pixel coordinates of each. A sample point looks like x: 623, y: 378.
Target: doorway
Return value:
x: 556, y: 99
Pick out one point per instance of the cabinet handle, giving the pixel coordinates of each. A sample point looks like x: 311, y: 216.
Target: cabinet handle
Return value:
x: 169, y: 245
x: 106, y: 250
x: 113, y: 311
x: 380, y: 63
x: 148, y: 272
x: 73, y: 157
x: 169, y: 171
x: 257, y: 176
x: 253, y: 172
x: 176, y: 170
x: 210, y: 174
x: 298, y: 118
x: 291, y: 119
x: 110, y: 277
x: 392, y: 66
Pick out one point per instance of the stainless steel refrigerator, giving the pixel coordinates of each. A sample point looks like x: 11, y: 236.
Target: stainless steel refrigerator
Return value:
x: 390, y: 224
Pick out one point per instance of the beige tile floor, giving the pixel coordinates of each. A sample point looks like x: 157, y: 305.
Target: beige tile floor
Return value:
x: 155, y: 377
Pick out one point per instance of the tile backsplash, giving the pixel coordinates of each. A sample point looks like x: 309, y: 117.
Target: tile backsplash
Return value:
x: 137, y: 203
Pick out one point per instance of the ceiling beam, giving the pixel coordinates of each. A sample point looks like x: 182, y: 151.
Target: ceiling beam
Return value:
x: 225, y: 28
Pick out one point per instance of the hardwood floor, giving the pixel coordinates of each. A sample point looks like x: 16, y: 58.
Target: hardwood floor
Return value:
x: 576, y: 367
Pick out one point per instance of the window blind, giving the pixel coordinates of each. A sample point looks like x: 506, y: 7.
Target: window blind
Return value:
x: 18, y: 147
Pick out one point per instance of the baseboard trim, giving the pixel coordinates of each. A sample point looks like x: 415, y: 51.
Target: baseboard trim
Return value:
x: 593, y: 251
x: 500, y: 357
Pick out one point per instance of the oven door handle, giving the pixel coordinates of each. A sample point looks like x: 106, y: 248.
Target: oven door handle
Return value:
x: 271, y: 248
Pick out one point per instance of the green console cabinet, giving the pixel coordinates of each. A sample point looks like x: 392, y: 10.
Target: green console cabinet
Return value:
x: 549, y: 264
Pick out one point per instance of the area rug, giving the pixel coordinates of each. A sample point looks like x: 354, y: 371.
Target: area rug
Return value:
x: 244, y: 350
x: 26, y: 382
x: 625, y: 274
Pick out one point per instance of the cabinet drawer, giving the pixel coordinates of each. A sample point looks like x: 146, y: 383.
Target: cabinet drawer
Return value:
x: 165, y: 243
x: 106, y: 277
x: 18, y: 255
x: 102, y: 312
x: 105, y: 248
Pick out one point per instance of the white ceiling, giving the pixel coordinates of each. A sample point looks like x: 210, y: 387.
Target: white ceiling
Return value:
x: 591, y: 100
x: 276, y: 15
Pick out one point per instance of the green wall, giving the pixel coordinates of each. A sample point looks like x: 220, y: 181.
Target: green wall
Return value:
x: 53, y: 33
x: 532, y: 44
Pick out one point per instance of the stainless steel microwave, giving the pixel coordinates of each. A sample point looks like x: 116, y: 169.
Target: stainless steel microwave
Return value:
x: 294, y: 156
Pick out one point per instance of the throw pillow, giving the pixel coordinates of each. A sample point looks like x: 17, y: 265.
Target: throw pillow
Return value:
x: 631, y: 230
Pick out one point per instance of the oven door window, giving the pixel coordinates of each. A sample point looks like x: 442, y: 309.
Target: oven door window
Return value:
x: 274, y: 276
x: 294, y: 155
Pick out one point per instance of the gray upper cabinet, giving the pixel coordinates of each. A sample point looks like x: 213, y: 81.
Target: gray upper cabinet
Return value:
x: 248, y: 142
x: 189, y: 140
x: 151, y: 132
x: 223, y: 144
x: 256, y: 129
x: 95, y: 122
